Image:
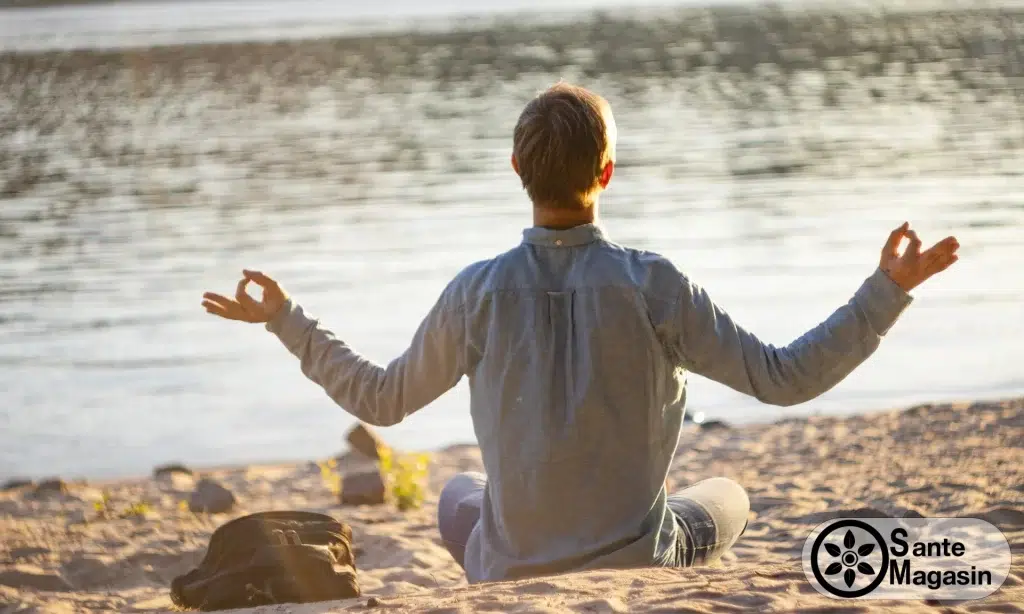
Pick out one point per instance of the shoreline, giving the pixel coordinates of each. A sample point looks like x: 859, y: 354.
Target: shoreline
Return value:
x: 688, y: 427
x: 346, y: 29
x: 938, y: 460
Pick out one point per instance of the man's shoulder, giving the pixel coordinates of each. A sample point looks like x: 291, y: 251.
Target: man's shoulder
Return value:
x: 646, y: 260
x: 475, y: 279
x: 642, y: 257
x: 478, y: 272
x: 654, y: 274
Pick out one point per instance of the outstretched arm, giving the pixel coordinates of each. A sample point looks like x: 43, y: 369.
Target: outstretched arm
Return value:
x: 376, y: 394
x: 709, y: 343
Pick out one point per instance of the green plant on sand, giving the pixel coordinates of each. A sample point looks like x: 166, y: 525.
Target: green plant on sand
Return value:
x: 330, y: 475
x: 105, y: 509
x: 102, y: 506
x: 405, y: 477
x: 138, y: 509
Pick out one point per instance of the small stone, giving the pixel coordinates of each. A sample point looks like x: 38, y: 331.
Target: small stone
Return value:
x: 366, y: 442
x: 364, y: 488
x: 211, y: 498
x: 51, y: 486
x: 714, y: 425
x: 373, y: 602
x: 15, y: 484
x: 175, y: 477
x: 171, y: 469
x: 177, y: 482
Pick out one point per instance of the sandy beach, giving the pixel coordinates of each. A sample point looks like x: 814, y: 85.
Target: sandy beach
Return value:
x: 59, y: 554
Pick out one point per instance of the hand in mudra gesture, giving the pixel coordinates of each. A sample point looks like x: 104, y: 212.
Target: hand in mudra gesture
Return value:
x: 244, y: 307
x: 913, y: 266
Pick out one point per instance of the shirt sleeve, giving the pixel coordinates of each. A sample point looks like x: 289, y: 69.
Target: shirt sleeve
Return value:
x: 709, y: 343
x: 376, y: 394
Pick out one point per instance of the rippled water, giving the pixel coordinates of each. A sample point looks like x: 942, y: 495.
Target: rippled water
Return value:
x: 364, y: 173
x: 146, y: 22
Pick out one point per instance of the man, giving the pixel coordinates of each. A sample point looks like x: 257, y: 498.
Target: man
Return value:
x: 576, y: 350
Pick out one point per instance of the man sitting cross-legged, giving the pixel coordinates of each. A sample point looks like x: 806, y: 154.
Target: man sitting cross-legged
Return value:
x: 576, y: 349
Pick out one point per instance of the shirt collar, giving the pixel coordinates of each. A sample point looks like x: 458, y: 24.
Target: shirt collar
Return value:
x: 569, y: 237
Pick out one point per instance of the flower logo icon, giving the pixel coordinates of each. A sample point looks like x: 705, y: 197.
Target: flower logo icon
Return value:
x: 850, y: 559
x: 838, y: 566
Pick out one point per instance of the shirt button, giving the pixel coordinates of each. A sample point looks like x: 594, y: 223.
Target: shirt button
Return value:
x: 558, y: 241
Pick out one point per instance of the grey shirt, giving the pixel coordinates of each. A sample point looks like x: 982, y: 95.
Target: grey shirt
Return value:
x: 577, y: 351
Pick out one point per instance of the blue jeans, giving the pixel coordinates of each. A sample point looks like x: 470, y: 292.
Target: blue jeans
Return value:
x: 711, y: 515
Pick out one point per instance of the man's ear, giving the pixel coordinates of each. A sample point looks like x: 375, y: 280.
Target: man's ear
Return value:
x: 515, y: 165
x: 606, y: 174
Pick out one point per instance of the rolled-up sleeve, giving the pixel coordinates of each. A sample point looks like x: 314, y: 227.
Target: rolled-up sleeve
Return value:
x: 376, y: 394
x: 708, y: 342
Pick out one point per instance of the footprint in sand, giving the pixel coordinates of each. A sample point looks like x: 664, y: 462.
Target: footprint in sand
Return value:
x: 33, y: 577
x: 1004, y: 518
x: 820, y: 517
x: 760, y: 504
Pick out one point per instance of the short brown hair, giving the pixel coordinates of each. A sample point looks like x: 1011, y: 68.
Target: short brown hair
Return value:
x: 561, y: 144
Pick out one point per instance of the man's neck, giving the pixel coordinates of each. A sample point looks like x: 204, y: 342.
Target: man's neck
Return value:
x: 562, y: 219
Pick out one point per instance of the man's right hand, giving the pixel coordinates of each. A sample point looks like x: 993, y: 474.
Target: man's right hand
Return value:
x: 244, y: 307
x: 913, y: 266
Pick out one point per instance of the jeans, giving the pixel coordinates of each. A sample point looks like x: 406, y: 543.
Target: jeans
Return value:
x: 711, y: 515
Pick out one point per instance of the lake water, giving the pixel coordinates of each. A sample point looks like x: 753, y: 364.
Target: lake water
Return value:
x: 365, y: 173
x: 147, y: 22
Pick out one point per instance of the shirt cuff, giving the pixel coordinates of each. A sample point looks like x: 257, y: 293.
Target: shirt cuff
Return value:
x: 882, y: 301
x: 290, y: 323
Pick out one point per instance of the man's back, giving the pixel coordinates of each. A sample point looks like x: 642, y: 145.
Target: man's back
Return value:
x: 576, y: 404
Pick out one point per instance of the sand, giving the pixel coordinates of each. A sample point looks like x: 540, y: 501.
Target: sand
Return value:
x: 59, y: 554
